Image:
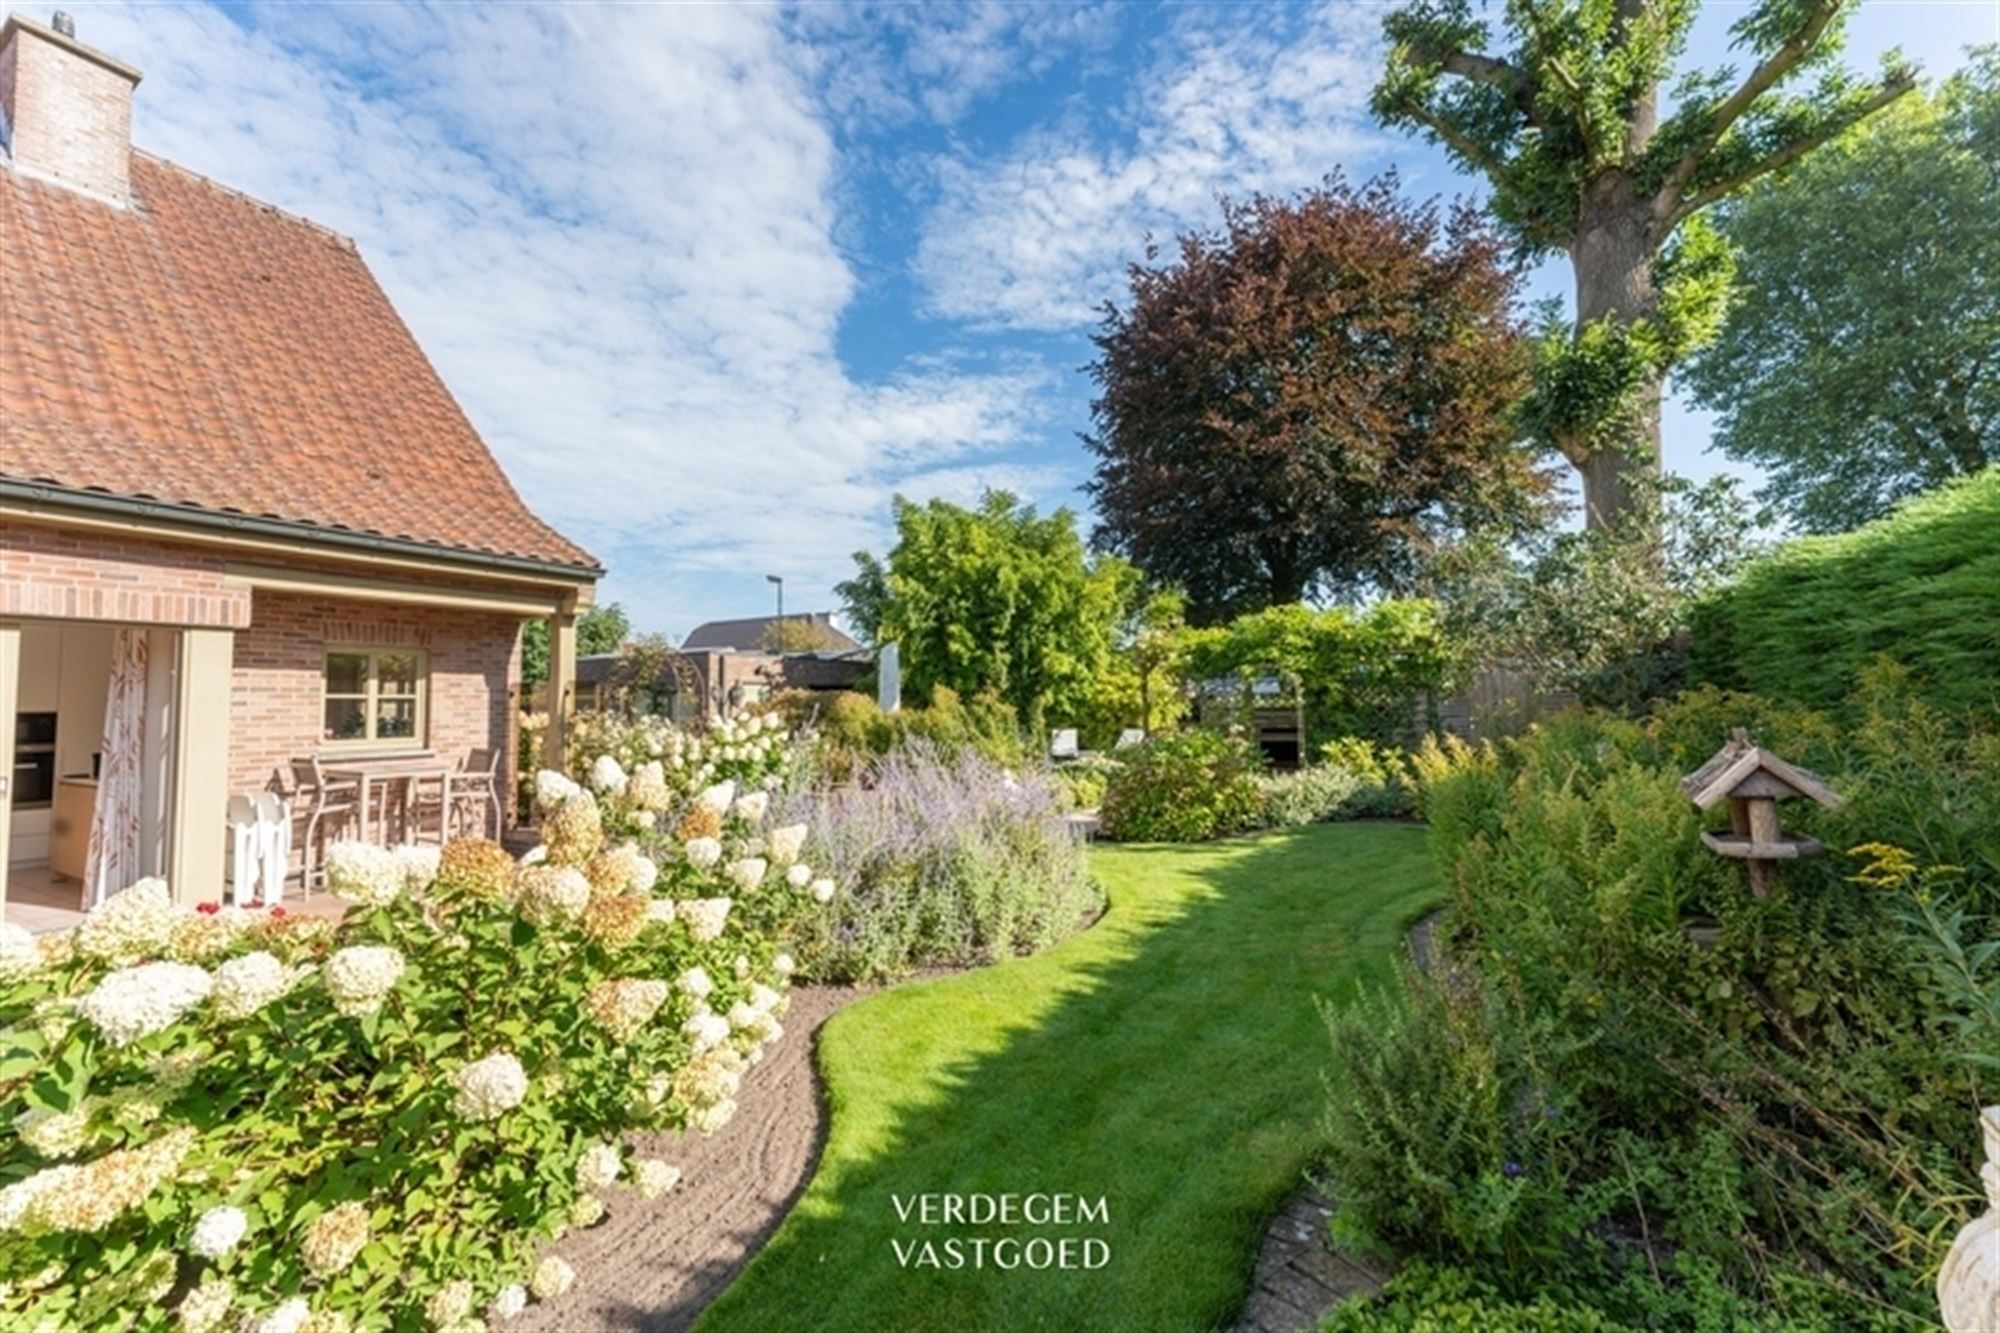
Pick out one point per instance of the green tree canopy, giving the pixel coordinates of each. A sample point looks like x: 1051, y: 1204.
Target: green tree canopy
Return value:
x: 602, y: 629
x: 1861, y: 358
x: 1308, y: 400
x: 1564, y: 118
x: 997, y: 598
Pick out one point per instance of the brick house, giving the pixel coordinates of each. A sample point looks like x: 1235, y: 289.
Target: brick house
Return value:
x: 228, y: 471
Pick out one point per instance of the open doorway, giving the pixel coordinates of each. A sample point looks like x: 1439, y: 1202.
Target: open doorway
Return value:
x: 68, y: 774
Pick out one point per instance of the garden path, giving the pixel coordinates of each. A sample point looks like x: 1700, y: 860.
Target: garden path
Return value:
x: 653, y: 1266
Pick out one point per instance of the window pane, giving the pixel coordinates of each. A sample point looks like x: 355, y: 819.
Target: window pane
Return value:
x: 345, y: 719
x: 346, y: 673
x: 396, y: 673
x: 395, y: 719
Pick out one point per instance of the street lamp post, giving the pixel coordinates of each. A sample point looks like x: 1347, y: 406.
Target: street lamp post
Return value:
x: 773, y: 578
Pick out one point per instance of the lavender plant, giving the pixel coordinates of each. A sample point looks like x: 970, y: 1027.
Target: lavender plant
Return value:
x: 942, y: 860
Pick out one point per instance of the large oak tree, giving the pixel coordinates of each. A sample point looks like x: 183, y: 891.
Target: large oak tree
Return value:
x: 1307, y: 400
x: 1564, y: 119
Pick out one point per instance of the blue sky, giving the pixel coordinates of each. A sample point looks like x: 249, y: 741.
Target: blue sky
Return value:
x: 715, y: 281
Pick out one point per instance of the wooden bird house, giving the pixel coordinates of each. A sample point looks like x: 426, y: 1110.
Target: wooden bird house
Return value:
x: 1753, y: 781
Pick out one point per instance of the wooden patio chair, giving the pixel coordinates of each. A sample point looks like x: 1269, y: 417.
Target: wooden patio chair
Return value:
x: 337, y: 802
x: 475, y: 786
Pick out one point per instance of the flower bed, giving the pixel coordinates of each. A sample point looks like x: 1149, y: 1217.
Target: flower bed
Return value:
x: 234, y: 1119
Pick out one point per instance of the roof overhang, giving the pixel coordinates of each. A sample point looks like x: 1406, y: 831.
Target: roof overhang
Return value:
x: 269, y: 539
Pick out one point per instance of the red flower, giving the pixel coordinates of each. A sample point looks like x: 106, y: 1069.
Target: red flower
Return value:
x: 277, y: 912
x: 208, y: 909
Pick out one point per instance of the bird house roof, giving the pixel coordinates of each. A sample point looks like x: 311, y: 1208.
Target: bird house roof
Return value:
x: 1742, y: 769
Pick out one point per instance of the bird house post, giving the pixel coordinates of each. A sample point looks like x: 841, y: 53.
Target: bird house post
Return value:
x: 1753, y: 781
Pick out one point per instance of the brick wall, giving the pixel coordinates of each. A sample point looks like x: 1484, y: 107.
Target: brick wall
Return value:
x: 77, y: 575
x: 70, y: 113
x: 280, y: 660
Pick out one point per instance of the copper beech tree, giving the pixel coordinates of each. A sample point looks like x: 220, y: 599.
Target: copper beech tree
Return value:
x: 1564, y: 118
x: 1309, y: 399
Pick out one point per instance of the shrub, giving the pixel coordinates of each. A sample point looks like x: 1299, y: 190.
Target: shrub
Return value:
x: 853, y: 731
x: 1184, y: 787
x: 224, y: 1116
x: 1362, y: 673
x: 1919, y: 587
x: 1308, y: 796
x: 1082, y: 781
x: 943, y: 860
x: 1382, y: 791
x: 1777, y: 1105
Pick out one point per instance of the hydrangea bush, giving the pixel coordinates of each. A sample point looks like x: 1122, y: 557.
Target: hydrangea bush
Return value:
x: 235, y: 1120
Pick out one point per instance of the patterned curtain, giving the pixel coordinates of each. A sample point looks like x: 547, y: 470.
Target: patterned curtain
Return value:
x: 113, y: 860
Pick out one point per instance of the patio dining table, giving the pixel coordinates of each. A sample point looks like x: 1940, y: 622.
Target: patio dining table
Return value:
x: 411, y: 768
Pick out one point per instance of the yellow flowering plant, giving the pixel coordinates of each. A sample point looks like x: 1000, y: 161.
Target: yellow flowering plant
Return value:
x: 218, y: 1114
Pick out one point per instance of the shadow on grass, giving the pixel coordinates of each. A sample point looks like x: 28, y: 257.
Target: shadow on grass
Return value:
x: 1167, y: 1062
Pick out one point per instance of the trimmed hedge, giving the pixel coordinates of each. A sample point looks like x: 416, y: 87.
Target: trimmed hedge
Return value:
x: 1921, y: 586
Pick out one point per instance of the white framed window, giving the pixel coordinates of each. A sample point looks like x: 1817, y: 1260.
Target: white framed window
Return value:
x: 375, y: 696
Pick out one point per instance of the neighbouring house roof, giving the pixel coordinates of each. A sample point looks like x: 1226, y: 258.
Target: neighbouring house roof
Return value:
x: 749, y: 635
x: 206, y: 350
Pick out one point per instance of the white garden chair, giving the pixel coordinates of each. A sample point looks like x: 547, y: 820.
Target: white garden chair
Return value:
x: 274, y: 844
x: 1062, y: 744
x: 1130, y: 737
x: 244, y: 837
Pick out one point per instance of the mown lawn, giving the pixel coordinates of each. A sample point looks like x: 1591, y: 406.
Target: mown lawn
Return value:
x: 1168, y: 1061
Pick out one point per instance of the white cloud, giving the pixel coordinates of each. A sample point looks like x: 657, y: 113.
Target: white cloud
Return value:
x: 1039, y: 239
x: 612, y: 230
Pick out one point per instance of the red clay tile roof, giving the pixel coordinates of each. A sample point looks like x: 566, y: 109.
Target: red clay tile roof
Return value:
x: 203, y: 348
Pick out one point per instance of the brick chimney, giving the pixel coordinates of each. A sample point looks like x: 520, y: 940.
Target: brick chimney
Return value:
x: 65, y: 110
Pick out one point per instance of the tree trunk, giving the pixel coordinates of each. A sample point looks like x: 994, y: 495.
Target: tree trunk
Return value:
x: 1613, y: 258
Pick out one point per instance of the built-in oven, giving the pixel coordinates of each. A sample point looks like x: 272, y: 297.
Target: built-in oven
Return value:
x: 34, y: 782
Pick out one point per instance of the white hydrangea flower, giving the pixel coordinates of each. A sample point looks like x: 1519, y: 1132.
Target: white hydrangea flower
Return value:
x: 587, y: 1211
x: 554, y: 893
x: 783, y: 845
x: 783, y: 965
x: 608, y: 776
x: 747, y: 873
x: 703, y: 852
x: 822, y: 891
x: 705, y: 1030
x: 205, y: 1309
x: 362, y: 873
x: 648, y: 788
x: 509, y: 1302
x: 290, y: 1317
x: 552, y: 789
x: 654, y: 1177
x: 598, y: 1167
x: 799, y: 875
x: 55, y: 1133
x: 450, y: 1304
x: 20, y: 956
x: 131, y: 924
x: 719, y: 797
x: 246, y: 984
x: 741, y: 966
x: 489, y: 1087
x: 535, y: 855
x: 751, y: 806
x: 217, y: 1231
x: 696, y: 982
x: 419, y: 864
x: 553, y: 1277
x: 709, y: 1119
x: 335, y: 1238
x: 660, y: 910
x: 136, y: 1002
x: 763, y: 999
x: 361, y: 976
x: 705, y: 917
